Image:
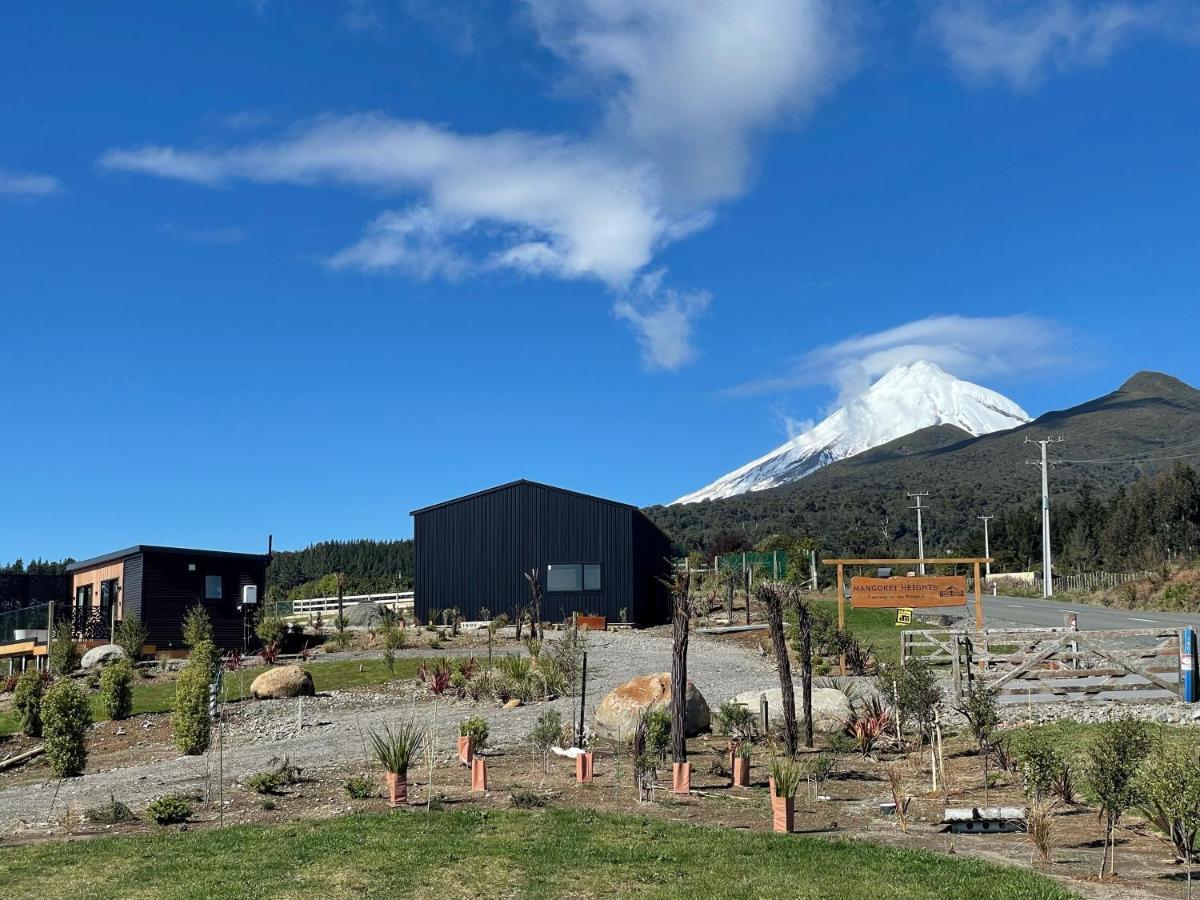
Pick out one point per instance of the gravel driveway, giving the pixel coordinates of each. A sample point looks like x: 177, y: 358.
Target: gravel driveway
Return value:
x: 334, y: 725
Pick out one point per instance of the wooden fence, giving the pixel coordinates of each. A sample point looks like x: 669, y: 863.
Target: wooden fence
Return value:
x: 1055, y: 664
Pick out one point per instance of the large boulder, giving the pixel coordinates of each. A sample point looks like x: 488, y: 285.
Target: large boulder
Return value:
x: 618, y: 713
x: 831, y: 707
x: 102, y: 655
x: 281, y: 682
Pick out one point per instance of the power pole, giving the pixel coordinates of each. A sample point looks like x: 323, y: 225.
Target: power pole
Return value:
x: 986, y: 549
x: 920, y: 530
x: 1044, y: 465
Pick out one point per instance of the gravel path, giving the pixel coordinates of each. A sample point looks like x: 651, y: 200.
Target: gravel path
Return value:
x: 334, y: 724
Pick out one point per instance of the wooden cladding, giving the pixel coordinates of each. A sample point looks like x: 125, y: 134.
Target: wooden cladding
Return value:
x: 95, y: 577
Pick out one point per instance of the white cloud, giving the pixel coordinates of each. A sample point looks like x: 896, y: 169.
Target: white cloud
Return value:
x: 1023, y: 42
x: 969, y: 347
x: 685, y: 87
x: 26, y: 185
x: 663, y: 320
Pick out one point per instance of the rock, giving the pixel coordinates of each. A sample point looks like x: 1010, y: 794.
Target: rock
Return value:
x: 102, y: 655
x: 617, y: 715
x: 282, y: 682
x: 831, y: 707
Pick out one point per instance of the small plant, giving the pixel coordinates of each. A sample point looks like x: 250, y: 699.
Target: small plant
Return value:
x: 116, y: 689
x: 1168, y: 786
x: 197, y: 627
x: 114, y: 812
x: 476, y: 728
x: 1042, y: 764
x: 658, y: 732
x: 736, y: 720
x: 27, y: 701
x: 916, y: 690
x: 1113, y: 760
x: 1041, y: 828
x: 359, y: 787
x: 522, y: 799
x: 64, y: 655
x: 170, y: 809
x: 515, y: 666
x: 271, y: 628
x: 817, y: 768
x: 437, y: 676
x: 900, y: 797
x: 546, y: 734
x: 267, y: 803
x: 395, y: 750
x: 264, y: 783
x: 787, y: 777
x: 189, y: 716
x: 269, y: 653
x: 66, y: 718
x: 868, y: 723
x: 131, y: 636
x: 981, y: 710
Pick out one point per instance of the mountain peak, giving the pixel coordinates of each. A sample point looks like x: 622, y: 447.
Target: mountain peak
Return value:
x: 1148, y: 382
x: 905, y: 399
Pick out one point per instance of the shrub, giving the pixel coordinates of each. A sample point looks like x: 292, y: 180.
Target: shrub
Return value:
x: 206, y: 655
x: 189, y: 717
x: 527, y: 799
x: 66, y: 717
x: 546, y: 734
x: 981, y: 710
x: 437, y: 675
x: 170, y: 809
x: 394, y: 750
x: 197, y: 627
x: 1168, y: 786
x: 1041, y: 763
x: 736, y: 720
x: 476, y: 727
x: 868, y: 722
x: 1041, y: 828
x: 116, y: 689
x: 264, y: 782
x: 113, y: 812
x: 658, y: 732
x: 1113, y: 760
x: 271, y: 628
x: 64, y: 655
x: 916, y: 691
x: 27, y: 701
x: 359, y: 787
x: 787, y: 776
x: 131, y: 636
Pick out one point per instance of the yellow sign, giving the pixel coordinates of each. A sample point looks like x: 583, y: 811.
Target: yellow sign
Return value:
x: 908, y: 592
x: 904, y: 617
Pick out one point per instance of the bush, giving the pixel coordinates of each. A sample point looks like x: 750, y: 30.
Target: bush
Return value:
x: 66, y: 717
x: 915, y: 690
x: 265, y: 783
x: 1113, y: 761
x: 206, y: 655
x: 395, y: 750
x: 1168, y: 785
x: 476, y: 728
x: 27, y: 701
x: 359, y: 787
x: 197, y: 627
x: 546, y: 733
x: 736, y: 720
x: 189, y: 717
x: 270, y: 628
x: 658, y: 731
x: 64, y: 655
x: 170, y: 809
x: 116, y: 689
x: 113, y: 812
x: 131, y: 636
x: 1042, y: 764
x: 522, y: 799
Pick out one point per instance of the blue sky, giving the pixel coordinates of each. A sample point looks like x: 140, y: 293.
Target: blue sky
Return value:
x: 300, y: 267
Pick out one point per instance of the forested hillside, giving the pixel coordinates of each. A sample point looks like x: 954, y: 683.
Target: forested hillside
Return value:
x: 858, y: 506
x: 367, y: 567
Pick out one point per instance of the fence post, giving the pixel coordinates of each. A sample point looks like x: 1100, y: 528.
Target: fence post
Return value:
x: 1187, y: 665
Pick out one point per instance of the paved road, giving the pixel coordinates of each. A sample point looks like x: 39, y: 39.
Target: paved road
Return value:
x: 1049, y: 613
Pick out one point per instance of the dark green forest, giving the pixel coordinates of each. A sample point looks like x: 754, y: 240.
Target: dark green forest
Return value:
x: 367, y: 567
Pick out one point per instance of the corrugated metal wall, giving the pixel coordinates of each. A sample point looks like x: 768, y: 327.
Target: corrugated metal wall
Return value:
x: 472, y: 554
x: 169, y: 589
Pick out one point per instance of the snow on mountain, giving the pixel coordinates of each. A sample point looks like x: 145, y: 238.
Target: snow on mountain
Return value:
x: 906, y: 399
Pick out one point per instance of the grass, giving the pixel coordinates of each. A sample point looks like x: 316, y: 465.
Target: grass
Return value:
x: 157, y: 697
x: 877, y: 628
x: 474, y: 854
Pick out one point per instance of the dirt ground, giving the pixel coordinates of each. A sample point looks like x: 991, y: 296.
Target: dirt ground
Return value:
x: 135, y: 759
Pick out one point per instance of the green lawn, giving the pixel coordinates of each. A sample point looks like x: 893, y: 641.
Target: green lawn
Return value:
x: 327, y: 676
x: 483, y: 854
x: 876, y: 628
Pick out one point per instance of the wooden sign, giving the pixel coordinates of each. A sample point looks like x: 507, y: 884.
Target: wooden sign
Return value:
x: 904, y: 592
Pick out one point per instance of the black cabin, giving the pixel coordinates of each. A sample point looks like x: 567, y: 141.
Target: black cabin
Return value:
x: 159, y: 584
x: 593, y: 556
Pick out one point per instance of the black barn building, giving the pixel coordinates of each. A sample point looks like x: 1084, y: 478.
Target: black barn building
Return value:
x: 594, y: 556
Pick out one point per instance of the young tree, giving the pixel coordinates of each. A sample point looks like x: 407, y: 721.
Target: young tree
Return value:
x: 1113, y: 760
x: 66, y: 719
x: 804, y: 640
x: 131, y: 636
x: 535, y: 605
x: 64, y: 655
x: 681, y: 615
x: 27, y: 701
x: 981, y: 710
x: 771, y: 596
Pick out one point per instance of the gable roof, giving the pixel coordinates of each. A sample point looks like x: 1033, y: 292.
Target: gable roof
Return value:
x: 527, y: 483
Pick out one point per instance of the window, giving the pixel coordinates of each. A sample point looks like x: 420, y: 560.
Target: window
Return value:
x: 565, y: 577
x: 212, y: 587
x: 591, y: 577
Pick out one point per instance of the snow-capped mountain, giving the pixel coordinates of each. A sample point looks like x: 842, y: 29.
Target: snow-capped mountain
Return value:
x: 906, y: 399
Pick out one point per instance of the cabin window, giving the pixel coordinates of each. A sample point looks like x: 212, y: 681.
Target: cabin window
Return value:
x: 573, y: 577
x: 212, y: 587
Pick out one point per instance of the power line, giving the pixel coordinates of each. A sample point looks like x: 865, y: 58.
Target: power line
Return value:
x: 920, y: 531
x: 1044, y: 465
